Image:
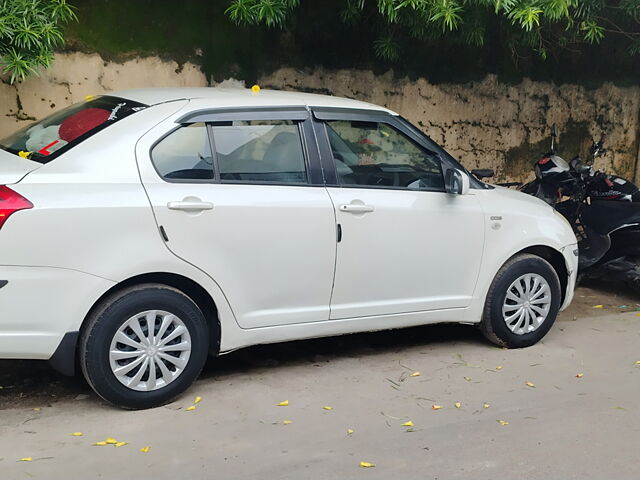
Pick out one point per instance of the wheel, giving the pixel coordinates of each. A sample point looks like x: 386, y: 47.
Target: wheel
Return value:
x: 522, y: 303
x: 144, y: 346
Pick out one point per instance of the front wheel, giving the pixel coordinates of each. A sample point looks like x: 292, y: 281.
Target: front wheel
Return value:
x: 522, y: 303
x: 144, y: 346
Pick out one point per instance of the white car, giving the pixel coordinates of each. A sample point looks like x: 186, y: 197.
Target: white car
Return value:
x: 142, y: 230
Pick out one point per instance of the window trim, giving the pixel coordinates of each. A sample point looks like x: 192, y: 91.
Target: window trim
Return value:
x: 306, y: 136
x: 374, y: 116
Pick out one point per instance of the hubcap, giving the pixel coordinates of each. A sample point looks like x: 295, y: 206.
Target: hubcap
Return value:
x: 150, y: 350
x: 527, y: 303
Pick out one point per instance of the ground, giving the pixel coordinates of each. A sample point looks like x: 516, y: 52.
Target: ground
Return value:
x: 577, y: 417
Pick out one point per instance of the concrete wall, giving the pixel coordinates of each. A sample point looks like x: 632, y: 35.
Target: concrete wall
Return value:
x: 484, y: 124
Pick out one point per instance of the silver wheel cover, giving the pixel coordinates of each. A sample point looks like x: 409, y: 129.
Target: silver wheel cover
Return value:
x: 527, y: 303
x: 150, y: 350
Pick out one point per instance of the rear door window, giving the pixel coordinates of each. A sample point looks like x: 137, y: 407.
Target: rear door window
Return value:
x: 45, y: 140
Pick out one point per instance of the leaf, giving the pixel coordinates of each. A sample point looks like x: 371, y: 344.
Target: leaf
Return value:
x: 111, y: 441
x: 76, y: 434
x: 436, y: 407
x: 485, y: 405
x: 284, y: 403
x: 502, y: 422
x: 415, y: 374
x: 145, y: 449
x: 26, y: 459
x: 120, y: 444
x: 468, y: 379
x: 530, y: 384
x: 191, y: 408
x: 327, y: 407
x: 408, y: 424
x: 457, y: 405
x: 598, y: 306
x: 637, y: 362
x: 367, y: 464
x: 350, y: 431
x: 499, y: 367
x: 579, y: 375
x: 100, y: 444
x: 197, y: 400
x: 287, y: 422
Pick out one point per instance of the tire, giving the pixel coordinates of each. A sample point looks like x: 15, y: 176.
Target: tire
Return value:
x: 101, y: 354
x: 501, y: 327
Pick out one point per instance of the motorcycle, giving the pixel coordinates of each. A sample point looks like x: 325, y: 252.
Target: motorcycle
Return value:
x: 603, y: 210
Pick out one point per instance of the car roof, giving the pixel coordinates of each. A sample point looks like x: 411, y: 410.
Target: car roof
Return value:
x: 240, y: 97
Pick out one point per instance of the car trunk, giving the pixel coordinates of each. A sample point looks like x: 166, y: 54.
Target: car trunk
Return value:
x: 14, y: 168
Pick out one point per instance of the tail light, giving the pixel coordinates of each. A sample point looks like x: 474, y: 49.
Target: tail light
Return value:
x: 11, y: 202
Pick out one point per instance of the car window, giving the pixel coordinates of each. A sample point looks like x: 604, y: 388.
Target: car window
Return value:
x: 185, y: 154
x: 375, y: 154
x: 259, y: 151
x: 45, y: 140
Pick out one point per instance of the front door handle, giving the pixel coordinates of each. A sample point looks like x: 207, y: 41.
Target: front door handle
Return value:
x: 356, y: 208
x: 190, y: 206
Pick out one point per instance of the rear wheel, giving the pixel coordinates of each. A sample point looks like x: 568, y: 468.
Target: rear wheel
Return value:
x: 522, y: 303
x: 144, y: 346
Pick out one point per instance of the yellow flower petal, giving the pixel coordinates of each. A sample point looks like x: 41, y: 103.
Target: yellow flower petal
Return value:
x: 111, y: 441
x: 579, y: 375
x: 367, y: 464
x: 349, y: 431
x: 145, y: 449
x: 255, y: 89
x: 529, y: 384
x: 26, y: 459
x: 502, y: 422
x: 436, y: 407
x: 191, y: 408
x: 485, y: 405
x: 76, y: 434
x: 287, y: 422
x: 415, y: 374
x: 327, y: 407
x: 598, y: 306
x: 637, y: 363
x: 499, y: 367
x: 100, y: 444
x: 457, y: 404
x: 120, y: 444
x: 24, y: 154
x: 197, y: 400
x: 89, y: 97
x: 283, y: 404
x: 407, y: 424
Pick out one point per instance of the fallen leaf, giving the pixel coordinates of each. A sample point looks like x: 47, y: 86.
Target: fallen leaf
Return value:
x: 529, y: 384
x: 457, y: 404
x: 120, y: 444
x: 468, y: 379
x: 327, y: 407
x: 499, y: 367
x: 283, y: 404
x: 485, y: 405
x: 37, y: 409
x: 111, y: 441
x: 349, y: 431
x: 579, y: 375
x: 598, y: 306
x: 287, y: 422
x: 502, y: 422
x: 415, y: 374
x: 76, y: 434
x: 100, y: 444
x: 407, y: 424
x: 191, y: 408
x: 637, y: 363
x: 26, y: 459
x: 145, y: 449
x: 436, y: 407
x: 367, y: 464
x: 197, y: 400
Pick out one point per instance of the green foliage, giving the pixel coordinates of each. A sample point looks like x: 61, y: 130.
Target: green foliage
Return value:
x: 540, y: 26
x: 29, y: 31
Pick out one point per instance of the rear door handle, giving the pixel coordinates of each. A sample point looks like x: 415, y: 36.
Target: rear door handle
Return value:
x: 190, y: 206
x: 356, y: 208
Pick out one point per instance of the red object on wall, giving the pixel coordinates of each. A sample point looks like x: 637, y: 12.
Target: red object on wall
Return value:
x: 80, y: 123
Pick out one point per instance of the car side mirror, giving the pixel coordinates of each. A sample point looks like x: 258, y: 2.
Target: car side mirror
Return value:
x: 456, y: 182
x: 481, y: 173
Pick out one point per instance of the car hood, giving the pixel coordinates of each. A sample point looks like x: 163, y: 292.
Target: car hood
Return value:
x: 509, y: 194
x: 14, y: 168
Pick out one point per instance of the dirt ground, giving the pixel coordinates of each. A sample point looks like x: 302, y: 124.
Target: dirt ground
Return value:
x: 561, y: 425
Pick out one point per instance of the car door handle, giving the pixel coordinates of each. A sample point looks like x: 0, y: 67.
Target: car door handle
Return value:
x: 356, y: 208
x: 190, y: 206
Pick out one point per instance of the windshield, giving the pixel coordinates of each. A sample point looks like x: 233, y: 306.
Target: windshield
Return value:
x: 45, y: 140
